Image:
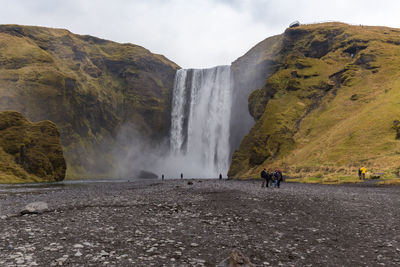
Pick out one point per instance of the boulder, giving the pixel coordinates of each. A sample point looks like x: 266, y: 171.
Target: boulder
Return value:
x: 35, y: 208
x: 147, y: 175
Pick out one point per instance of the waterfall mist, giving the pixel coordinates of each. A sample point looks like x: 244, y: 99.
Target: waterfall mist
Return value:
x: 198, y: 144
x: 209, y: 117
x: 200, y: 122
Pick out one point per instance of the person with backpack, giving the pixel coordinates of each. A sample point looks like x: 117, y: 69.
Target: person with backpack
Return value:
x: 275, y: 179
x: 280, y: 177
x: 271, y: 177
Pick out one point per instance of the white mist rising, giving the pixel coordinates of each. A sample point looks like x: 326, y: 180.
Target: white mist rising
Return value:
x: 200, y: 122
x: 198, y: 144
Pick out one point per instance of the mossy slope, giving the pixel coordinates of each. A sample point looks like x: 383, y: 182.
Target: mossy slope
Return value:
x: 29, y: 152
x: 331, y: 106
x: 88, y: 87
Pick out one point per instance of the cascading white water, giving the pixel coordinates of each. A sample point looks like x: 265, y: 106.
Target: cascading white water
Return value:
x: 201, y: 113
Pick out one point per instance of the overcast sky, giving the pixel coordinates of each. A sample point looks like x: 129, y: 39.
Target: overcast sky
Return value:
x: 193, y: 33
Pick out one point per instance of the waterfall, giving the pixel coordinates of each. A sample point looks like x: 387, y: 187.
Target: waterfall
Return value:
x: 200, y: 121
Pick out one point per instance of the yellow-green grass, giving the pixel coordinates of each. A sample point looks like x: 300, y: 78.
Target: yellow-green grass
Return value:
x: 327, y: 180
x: 29, y: 152
x: 329, y: 124
x: 88, y: 87
x: 390, y: 182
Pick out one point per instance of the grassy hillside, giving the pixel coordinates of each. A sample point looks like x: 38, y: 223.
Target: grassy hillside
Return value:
x: 331, y: 106
x: 88, y: 87
x: 29, y: 152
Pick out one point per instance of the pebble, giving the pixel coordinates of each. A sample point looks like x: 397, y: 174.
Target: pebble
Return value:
x: 19, y: 261
x: 104, y: 254
x: 158, y: 237
x: 151, y: 249
x: 78, y: 254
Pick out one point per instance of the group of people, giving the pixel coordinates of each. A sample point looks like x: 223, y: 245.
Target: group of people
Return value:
x: 270, y: 177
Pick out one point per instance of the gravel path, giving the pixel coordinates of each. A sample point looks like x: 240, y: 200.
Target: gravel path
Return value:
x: 173, y: 223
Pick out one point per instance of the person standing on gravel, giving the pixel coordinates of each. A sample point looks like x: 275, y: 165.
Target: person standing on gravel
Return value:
x: 270, y: 174
x: 264, y: 177
x: 277, y: 178
x: 280, y: 177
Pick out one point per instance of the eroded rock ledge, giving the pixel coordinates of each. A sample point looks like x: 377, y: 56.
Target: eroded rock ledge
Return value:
x: 29, y: 152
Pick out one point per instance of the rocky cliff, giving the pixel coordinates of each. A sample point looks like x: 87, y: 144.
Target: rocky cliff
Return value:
x: 249, y: 73
x: 88, y: 87
x: 29, y: 152
x: 329, y: 106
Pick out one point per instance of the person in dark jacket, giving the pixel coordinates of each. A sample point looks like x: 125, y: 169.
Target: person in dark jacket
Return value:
x: 271, y: 177
x: 265, y: 177
x: 280, y: 177
x: 275, y: 179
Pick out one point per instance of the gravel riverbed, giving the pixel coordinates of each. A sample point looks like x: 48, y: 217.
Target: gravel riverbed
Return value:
x: 199, y: 222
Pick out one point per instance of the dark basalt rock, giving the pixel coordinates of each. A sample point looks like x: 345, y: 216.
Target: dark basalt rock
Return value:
x: 147, y: 175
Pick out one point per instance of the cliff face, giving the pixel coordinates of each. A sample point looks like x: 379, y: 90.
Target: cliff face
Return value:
x: 29, y: 152
x: 249, y: 73
x: 330, y: 106
x: 88, y: 87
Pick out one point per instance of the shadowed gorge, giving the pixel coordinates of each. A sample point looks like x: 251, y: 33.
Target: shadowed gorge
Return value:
x: 89, y: 87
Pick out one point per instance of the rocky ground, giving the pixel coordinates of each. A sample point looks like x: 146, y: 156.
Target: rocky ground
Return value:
x: 176, y: 223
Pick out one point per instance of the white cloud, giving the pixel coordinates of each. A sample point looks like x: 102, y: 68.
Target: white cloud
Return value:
x: 195, y: 33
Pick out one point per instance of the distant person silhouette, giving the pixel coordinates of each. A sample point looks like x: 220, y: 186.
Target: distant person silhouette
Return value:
x: 181, y: 175
x: 162, y: 177
x: 220, y: 176
x: 363, y: 171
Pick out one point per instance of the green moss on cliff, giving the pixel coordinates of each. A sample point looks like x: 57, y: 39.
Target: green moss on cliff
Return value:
x: 88, y: 86
x: 308, y: 120
x: 29, y: 152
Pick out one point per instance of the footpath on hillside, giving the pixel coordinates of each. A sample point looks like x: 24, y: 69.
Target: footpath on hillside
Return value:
x: 199, y: 222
